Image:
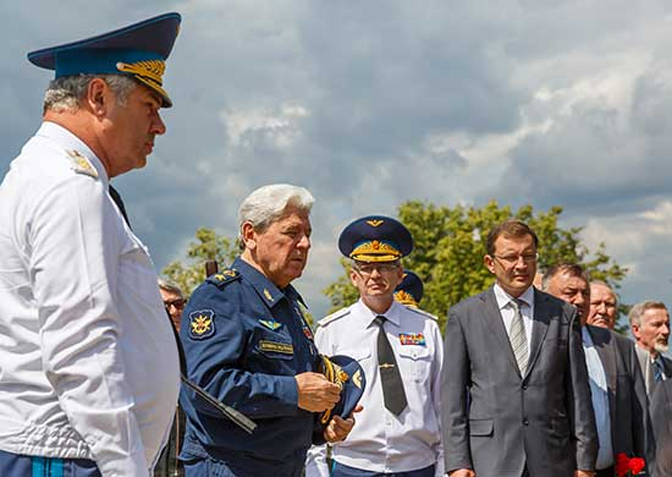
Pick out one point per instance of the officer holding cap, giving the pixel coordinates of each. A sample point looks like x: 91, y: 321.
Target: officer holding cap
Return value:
x: 400, y: 350
x: 248, y: 344
x: 89, y: 377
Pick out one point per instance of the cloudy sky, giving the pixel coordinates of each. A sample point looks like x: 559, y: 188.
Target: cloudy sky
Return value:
x: 369, y: 104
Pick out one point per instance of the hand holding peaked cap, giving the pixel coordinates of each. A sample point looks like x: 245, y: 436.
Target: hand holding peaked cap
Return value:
x: 349, y: 375
x: 138, y: 50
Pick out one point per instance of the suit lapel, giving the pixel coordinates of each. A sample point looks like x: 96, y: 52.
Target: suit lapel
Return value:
x: 540, y: 322
x: 494, y: 323
x: 605, y: 350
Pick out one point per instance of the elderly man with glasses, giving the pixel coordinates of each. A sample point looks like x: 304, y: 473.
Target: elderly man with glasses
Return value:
x: 400, y: 349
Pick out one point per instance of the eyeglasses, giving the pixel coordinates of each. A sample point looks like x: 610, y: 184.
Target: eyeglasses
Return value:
x: 178, y: 303
x: 366, y: 270
x: 513, y: 259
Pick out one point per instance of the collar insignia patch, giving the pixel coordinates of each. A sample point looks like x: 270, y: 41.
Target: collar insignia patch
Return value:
x: 80, y: 164
x: 414, y: 339
x: 201, y: 324
x: 271, y: 324
x: 268, y: 295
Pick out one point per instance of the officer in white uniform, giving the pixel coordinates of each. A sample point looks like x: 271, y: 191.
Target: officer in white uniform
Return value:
x: 400, y: 349
x: 89, y: 371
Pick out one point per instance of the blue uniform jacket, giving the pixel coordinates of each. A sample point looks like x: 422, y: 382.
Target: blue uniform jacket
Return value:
x: 244, y: 341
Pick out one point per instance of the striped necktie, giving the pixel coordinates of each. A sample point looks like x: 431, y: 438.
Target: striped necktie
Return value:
x: 517, y: 336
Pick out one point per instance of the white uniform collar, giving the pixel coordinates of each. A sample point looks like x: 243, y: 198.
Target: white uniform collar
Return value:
x: 68, y: 141
x: 392, y: 314
x: 503, y: 298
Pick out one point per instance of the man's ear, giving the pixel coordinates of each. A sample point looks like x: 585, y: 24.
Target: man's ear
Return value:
x: 98, y: 96
x: 248, y: 235
x: 636, y: 331
x: 489, y: 263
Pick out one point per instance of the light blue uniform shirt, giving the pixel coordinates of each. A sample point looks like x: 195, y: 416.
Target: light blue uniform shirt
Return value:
x: 600, y: 398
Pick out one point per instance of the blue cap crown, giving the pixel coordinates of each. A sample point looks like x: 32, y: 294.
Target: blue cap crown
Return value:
x: 375, y: 238
x: 349, y: 375
x: 410, y: 291
x: 138, y: 50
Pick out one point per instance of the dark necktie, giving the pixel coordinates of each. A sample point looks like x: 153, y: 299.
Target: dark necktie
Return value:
x: 120, y: 203
x: 393, y: 388
x: 657, y: 366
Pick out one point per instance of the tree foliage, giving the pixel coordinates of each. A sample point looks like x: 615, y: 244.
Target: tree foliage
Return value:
x: 450, y: 245
x: 208, y: 246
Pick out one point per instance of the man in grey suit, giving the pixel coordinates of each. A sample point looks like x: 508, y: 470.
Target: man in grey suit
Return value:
x: 616, y: 383
x: 515, y: 392
x: 661, y: 415
x: 650, y: 325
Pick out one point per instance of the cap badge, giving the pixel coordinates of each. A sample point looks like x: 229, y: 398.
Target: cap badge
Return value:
x: 374, y: 222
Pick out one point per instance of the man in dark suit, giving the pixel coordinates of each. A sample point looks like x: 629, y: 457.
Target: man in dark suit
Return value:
x: 616, y: 383
x: 515, y: 392
x: 661, y: 415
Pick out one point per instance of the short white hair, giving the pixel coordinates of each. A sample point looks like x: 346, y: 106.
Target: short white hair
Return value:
x: 267, y: 204
x: 66, y: 93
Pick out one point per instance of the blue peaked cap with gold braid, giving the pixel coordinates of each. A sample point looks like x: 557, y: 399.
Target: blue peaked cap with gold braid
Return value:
x: 410, y: 291
x: 375, y: 238
x: 139, y: 50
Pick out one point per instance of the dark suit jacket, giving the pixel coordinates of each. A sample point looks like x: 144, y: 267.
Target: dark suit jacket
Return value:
x: 496, y: 421
x: 628, y: 402
x: 661, y: 415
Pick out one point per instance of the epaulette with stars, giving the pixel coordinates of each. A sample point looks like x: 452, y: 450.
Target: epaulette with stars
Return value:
x: 221, y: 279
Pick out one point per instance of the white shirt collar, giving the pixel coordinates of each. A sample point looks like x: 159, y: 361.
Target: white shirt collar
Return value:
x: 503, y: 298
x: 67, y: 140
x: 392, y: 313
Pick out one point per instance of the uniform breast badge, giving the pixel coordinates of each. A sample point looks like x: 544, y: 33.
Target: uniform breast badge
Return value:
x: 271, y: 324
x: 201, y: 324
x: 412, y: 339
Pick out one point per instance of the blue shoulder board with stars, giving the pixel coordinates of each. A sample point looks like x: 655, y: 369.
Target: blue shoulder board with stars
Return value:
x: 221, y: 279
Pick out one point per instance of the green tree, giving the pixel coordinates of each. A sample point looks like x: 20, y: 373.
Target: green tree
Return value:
x: 208, y: 246
x: 450, y: 244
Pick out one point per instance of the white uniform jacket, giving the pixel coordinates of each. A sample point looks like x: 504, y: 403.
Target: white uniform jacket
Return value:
x: 88, y: 362
x: 381, y: 441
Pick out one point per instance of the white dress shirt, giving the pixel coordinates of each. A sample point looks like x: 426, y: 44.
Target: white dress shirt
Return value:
x: 381, y: 441
x: 88, y: 362
x: 597, y: 378
x: 507, y: 311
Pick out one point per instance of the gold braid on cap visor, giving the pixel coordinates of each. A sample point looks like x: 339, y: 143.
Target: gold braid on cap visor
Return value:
x: 149, y: 72
x: 405, y: 298
x: 375, y: 251
x: 334, y: 374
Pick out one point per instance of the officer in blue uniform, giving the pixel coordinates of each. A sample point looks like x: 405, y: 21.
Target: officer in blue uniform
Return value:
x: 248, y: 344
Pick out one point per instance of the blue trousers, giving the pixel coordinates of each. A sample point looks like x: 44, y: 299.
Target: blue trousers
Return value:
x: 340, y: 470
x: 14, y: 465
